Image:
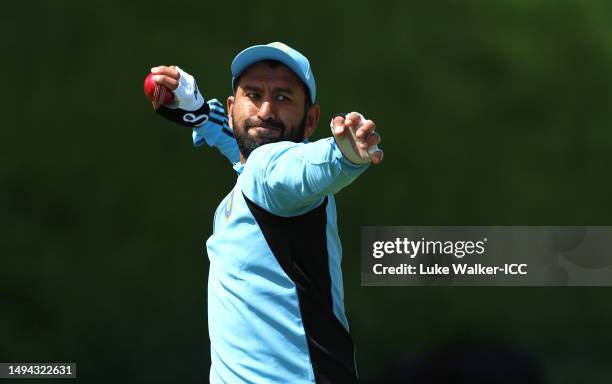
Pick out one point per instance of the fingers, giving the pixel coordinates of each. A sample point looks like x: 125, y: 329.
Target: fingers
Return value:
x: 371, y: 145
x: 166, y: 76
x: 170, y: 71
x: 353, y: 119
x: 338, y: 126
x: 372, y: 140
x: 369, y: 140
x: 166, y: 81
x: 376, y: 155
x: 365, y: 130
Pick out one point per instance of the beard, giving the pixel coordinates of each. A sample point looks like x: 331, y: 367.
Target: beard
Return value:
x: 248, y: 143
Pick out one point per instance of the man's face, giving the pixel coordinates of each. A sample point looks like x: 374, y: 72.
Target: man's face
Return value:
x: 270, y: 106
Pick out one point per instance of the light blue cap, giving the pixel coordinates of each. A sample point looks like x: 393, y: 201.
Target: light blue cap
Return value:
x: 279, y: 52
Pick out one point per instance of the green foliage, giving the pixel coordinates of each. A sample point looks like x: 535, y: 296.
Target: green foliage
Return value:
x: 491, y: 113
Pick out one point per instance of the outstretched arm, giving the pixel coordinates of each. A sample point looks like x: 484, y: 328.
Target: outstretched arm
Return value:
x: 292, y: 178
x: 207, y: 119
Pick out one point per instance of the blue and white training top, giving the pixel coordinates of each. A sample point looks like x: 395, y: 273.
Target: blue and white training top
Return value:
x: 275, y: 292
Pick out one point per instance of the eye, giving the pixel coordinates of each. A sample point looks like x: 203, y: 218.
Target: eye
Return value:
x: 252, y: 95
x: 282, y: 98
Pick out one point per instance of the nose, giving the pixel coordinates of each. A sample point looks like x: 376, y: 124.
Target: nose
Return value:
x: 266, y: 111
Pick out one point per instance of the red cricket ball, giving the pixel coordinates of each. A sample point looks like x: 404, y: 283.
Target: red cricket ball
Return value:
x: 158, y: 93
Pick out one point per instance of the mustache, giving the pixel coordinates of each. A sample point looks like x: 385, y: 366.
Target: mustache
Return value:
x: 270, y: 123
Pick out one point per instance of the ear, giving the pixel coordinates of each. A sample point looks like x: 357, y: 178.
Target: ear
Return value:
x: 312, y: 119
x: 230, y: 110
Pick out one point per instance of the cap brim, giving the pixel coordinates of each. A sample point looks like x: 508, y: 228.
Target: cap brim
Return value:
x: 257, y: 53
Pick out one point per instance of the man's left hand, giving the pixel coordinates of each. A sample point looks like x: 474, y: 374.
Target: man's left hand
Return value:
x: 357, y: 138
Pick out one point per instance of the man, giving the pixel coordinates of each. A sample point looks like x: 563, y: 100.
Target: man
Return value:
x: 275, y: 295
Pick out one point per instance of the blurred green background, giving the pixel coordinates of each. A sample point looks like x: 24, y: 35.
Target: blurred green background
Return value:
x: 491, y: 113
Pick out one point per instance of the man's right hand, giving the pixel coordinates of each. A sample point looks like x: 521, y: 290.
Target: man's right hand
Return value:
x: 188, y: 108
x: 166, y: 76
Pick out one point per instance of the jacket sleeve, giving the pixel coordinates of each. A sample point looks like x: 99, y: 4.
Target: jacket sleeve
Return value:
x: 207, y: 118
x: 290, y: 179
x: 217, y: 133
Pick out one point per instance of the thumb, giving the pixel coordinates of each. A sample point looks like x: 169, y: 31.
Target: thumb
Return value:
x: 337, y: 126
